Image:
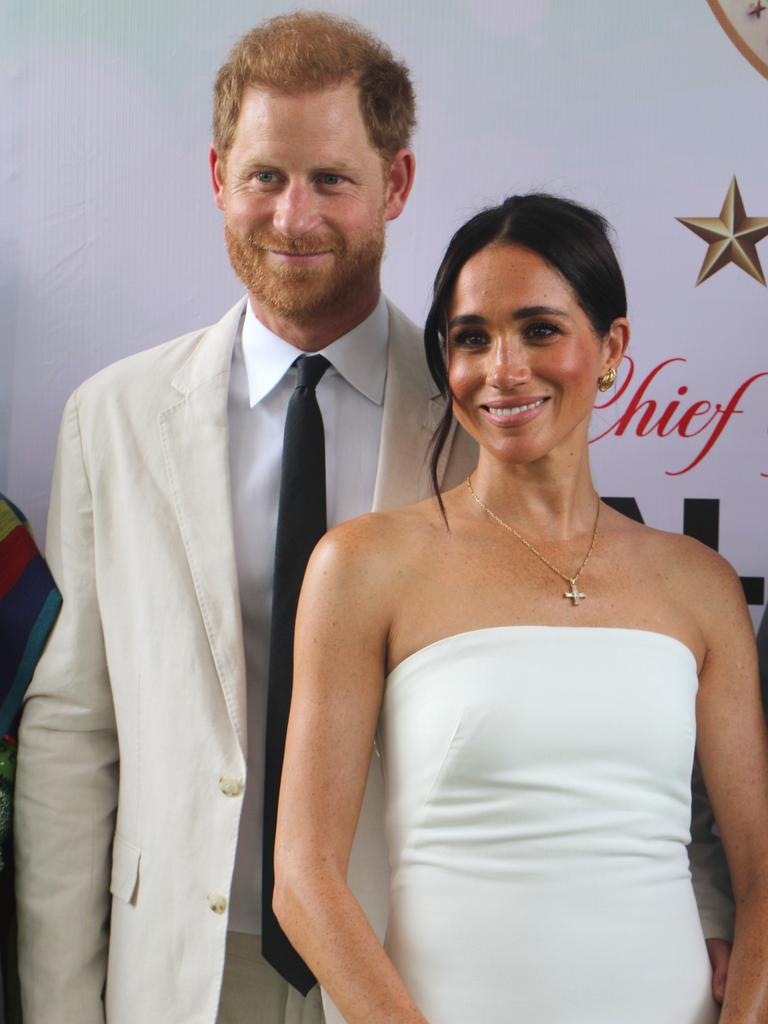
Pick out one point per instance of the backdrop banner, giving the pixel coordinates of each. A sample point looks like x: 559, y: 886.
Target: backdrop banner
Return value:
x: 652, y: 112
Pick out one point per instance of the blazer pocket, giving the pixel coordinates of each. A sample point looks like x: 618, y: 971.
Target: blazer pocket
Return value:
x: 126, y: 859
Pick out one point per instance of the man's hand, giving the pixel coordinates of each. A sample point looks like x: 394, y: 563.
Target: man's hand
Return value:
x: 719, y: 954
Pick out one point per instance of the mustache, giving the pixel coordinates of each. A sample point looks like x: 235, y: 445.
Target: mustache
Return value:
x: 307, y: 245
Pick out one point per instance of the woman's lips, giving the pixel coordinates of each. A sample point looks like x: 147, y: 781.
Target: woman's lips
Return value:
x: 513, y: 413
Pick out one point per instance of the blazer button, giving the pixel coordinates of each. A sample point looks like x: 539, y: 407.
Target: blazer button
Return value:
x: 230, y: 786
x: 217, y: 902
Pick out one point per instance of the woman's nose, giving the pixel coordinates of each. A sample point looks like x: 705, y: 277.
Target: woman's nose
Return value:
x: 509, y: 366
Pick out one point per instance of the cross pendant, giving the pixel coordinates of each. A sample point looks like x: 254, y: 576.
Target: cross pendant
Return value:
x: 574, y: 594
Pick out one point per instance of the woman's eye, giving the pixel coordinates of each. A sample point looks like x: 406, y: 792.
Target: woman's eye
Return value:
x: 469, y: 339
x: 541, y: 331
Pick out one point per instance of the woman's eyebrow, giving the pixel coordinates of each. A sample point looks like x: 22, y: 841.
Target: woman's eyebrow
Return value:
x: 473, y: 319
x: 526, y: 311
x: 466, y: 318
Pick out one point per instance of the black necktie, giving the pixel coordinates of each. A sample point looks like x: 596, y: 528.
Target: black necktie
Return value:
x: 301, y: 522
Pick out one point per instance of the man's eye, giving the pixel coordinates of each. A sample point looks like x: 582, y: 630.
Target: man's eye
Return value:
x: 264, y: 177
x: 330, y: 179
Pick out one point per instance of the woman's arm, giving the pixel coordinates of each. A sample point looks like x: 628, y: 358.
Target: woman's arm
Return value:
x: 342, y: 626
x: 733, y: 754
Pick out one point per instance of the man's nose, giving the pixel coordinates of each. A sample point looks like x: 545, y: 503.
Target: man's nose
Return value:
x: 296, y: 211
x: 509, y: 365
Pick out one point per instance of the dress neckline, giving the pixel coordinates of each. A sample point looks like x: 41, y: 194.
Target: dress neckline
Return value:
x: 665, y: 638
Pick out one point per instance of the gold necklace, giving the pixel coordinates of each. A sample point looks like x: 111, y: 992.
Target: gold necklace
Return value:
x: 574, y: 594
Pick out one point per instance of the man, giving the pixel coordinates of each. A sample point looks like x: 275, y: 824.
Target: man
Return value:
x: 133, y: 776
x: 163, y: 533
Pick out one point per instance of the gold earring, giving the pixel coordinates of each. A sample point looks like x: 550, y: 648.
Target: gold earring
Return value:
x: 607, y: 380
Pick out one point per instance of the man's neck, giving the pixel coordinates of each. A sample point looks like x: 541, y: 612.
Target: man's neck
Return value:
x: 322, y: 329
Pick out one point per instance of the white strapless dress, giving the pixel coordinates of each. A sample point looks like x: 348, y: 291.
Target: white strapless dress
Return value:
x: 538, y: 811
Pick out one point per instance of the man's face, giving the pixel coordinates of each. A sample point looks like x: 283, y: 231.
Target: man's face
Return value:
x: 305, y: 198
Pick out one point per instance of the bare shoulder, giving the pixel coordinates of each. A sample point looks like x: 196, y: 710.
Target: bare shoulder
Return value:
x: 700, y: 578
x: 374, y: 553
x: 690, y: 563
x: 377, y: 536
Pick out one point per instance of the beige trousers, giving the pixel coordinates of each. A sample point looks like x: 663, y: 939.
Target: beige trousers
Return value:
x: 254, y: 993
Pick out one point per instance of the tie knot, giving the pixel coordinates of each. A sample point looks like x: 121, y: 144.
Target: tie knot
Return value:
x: 311, y: 369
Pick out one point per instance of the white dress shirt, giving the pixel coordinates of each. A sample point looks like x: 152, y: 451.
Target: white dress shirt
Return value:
x: 350, y: 395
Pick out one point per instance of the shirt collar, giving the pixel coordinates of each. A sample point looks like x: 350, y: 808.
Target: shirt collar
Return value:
x: 359, y: 356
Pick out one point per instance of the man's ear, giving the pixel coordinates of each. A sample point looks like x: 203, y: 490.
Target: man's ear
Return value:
x: 399, y: 183
x: 217, y: 177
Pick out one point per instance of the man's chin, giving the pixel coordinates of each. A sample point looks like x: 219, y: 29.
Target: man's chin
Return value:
x: 299, y: 305
x: 305, y: 294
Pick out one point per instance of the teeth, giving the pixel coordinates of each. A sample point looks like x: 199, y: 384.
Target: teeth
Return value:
x: 517, y: 409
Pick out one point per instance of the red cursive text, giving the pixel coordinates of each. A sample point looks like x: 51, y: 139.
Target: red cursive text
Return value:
x: 688, y: 419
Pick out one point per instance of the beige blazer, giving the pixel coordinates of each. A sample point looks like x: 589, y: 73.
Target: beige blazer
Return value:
x: 131, y: 758
x: 132, y: 744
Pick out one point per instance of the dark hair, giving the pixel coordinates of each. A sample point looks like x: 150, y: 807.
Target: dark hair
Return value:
x: 570, y: 237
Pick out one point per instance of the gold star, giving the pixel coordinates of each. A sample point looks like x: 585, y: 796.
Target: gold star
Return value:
x: 732, y: 237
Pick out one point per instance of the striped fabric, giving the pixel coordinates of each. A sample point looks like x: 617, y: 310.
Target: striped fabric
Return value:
x: 29, y: 604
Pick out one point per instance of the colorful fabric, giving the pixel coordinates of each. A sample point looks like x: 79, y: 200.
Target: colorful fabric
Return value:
x: 29, y: 605
x: 7, y: 776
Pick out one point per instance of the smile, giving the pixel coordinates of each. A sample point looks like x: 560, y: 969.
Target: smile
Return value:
x: 515, y: 410
x: 505, y: 415
x: 297, y: 257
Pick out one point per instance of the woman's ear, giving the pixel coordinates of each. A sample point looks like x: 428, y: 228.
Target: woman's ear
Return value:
x: 615, y: 344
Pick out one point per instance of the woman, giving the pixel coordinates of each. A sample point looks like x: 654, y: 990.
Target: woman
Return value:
x: 532, y: 659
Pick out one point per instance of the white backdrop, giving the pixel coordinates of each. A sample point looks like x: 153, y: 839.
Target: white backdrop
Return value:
x: 109, y: 240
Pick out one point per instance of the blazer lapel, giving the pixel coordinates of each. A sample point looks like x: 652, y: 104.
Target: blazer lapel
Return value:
x: 410, y: 419
x: 195, y: 440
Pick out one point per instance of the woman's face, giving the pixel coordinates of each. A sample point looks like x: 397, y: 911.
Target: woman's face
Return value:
x: 523, y: 358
